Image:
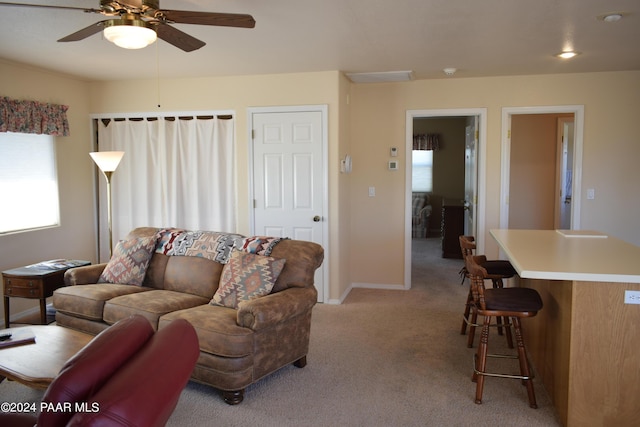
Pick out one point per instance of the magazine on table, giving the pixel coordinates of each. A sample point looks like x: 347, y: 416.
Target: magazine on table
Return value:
x: 57, y: 264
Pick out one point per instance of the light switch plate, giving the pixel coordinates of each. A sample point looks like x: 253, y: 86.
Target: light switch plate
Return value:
x: 393, y: 165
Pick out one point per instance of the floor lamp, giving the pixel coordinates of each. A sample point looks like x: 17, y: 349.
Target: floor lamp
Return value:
x: 108, y: 162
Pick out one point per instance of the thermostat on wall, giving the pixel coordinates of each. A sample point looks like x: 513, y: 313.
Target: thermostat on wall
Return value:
x: 393, y: 165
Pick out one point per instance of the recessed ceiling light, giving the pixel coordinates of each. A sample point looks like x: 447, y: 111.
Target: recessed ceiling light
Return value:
x: 612, y: 16
x: 568, y: 54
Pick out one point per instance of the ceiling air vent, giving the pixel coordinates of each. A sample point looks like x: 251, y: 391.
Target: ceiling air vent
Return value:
x: 381, y: 77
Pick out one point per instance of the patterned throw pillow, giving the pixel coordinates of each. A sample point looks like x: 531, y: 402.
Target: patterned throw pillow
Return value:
x: 129, y: 262
x: 246, y: 277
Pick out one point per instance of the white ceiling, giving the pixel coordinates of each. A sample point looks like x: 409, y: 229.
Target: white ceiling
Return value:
x: 479, y: 38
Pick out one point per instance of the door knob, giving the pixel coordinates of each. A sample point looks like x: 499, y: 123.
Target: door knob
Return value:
x: 316, y: 218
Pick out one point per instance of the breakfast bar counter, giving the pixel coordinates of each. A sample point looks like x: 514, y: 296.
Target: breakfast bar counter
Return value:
x: 585, y: 342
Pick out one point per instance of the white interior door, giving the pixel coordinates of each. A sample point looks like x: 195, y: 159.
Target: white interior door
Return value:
x: 470, y: 176
x: 564, y: 174
x: 288, y: 178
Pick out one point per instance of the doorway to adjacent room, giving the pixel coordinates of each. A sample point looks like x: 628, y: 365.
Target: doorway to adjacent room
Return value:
x: 541, y: 167
x: 457, y: 174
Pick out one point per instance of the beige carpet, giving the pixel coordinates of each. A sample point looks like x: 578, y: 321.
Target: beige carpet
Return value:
x: 383, y: 358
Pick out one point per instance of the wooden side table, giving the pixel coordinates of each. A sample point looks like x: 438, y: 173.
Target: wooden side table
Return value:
x: 37, y: 281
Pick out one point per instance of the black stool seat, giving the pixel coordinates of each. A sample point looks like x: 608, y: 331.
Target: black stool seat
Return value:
x: 512, y: 300
x: 499, y: 267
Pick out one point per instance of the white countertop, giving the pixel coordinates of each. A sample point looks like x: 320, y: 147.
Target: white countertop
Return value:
x: 555, y: 255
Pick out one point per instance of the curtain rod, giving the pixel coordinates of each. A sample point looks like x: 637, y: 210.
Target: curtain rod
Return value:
x: 106, y: 121
x: 155, y: 114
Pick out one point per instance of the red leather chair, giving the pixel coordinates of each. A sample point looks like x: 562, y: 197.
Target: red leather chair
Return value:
x: 126, y: 376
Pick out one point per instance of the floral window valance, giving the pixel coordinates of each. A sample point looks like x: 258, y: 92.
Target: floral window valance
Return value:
x: 33, y: 117
x: 426, y: 141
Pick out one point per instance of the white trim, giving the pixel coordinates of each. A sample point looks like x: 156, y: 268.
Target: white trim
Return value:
x: 481, y: 113
x: 396, y: 287
x: 324, y: 110
x: 576, y: 196
x: 24, y: 313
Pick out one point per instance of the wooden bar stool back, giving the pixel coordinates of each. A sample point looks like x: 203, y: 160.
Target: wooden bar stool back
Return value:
x: 513, y: 303
x: 497, y: 270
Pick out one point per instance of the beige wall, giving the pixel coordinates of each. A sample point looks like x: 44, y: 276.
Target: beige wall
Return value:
x: 75, y: 237
x: 611, y: 149
x: 532, y: 182
x: 367, y: 233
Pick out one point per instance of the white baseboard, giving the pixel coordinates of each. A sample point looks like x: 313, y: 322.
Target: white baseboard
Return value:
x: 396, y: 287
x: 340, y: 300
x: 33, y: 310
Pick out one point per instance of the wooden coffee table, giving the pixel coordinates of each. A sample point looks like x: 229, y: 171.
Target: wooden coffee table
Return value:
x: 37, y: 364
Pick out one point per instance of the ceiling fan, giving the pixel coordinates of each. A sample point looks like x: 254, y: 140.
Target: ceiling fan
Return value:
x: 147, y: 21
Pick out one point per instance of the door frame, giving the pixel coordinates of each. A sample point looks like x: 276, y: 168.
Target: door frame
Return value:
x: 561, y: 138
x: 481, y: 160
x: 576, y: 197
x: 323, y: 109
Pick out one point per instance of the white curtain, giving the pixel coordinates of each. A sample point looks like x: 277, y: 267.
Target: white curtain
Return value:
x: 176, y: 172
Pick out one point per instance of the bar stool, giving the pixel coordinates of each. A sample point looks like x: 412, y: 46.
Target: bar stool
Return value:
x: 497, y: 270
x: 512, y: 303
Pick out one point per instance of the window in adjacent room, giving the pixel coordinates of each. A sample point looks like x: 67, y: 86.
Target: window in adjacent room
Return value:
x: 422, y: 178
x: 28, y: 182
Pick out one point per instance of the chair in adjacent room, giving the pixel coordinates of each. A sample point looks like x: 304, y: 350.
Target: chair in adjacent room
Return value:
x: 421, y: 212
x: 497, y: 270
x: 513, y: 303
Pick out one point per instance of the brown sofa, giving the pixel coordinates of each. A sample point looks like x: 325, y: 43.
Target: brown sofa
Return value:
x: 238, y: 346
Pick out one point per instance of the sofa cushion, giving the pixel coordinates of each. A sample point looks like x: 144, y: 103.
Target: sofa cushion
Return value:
x: 154, y: 304
x: 87, y: 301
x: 129, y: 262
x: 217, y: 329
x: 245, y: 277
x: 193, y: 275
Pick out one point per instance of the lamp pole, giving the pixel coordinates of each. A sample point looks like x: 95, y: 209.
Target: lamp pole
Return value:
x: 108, y: 162
x: 108, y: 175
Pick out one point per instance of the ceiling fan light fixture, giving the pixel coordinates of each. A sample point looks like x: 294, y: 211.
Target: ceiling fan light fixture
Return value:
x: 568, y: 54
x: 129, y: 33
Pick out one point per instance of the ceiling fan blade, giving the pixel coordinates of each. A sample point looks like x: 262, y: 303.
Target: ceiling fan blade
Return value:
x: 178, y: 38
x: 84, y: 9
x: 207, y: 18
x: 84, y: 33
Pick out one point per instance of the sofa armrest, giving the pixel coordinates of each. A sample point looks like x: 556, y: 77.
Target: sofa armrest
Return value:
x: 275, y: 308
x: 86, y: 275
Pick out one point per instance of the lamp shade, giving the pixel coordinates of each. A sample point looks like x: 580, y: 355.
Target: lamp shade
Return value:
x: 107, y: 161
x: 129, y: 33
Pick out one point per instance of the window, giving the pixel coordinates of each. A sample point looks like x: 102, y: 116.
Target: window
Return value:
x: 422, y: 178
x: 28, y: 182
